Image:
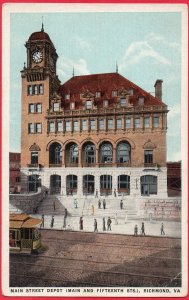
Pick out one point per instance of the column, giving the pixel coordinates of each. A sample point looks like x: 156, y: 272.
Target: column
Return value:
x: 97, y: 157
x: 80, y: 157
x: 97, y: 184
x: 63, y: 158
x: 114, y: 157
x: 80, y: 184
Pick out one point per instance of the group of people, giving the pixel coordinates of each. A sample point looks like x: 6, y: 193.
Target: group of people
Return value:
x: 142, y: 230
x: 109, y: 222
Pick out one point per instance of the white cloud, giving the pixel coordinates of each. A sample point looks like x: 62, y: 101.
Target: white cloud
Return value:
x: 66, y: 65
x: 152, y: 37
x: 83, y: 44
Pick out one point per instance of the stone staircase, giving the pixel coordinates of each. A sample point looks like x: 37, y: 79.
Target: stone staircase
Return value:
x: 47, y: 206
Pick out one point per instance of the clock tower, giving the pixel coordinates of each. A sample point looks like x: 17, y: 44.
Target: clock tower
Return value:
x: 39, y: 84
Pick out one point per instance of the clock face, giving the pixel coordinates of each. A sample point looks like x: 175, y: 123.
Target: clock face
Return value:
x: 37, y: 56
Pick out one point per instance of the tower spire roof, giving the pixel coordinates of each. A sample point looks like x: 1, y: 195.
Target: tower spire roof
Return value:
x: 42, y: 27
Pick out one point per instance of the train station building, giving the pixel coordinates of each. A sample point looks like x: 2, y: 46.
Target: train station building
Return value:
x: 94, y: 135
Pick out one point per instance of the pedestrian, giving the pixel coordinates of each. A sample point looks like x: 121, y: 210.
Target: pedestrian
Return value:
x: 121, y: 204
x: 96, y: 195
x: 64, y: 222
x: 109, y: 222
x: 104, y: 224
x: 81, y: 223
x: 75, y: 203
x: 42, y: 222
x: 95, y: 226
x: 116, y: 221
x: 46, y: 192
x: 162, y: 229
x: 136, y: 230
x: 114, y: 192
x: 54, y: 205
x: 99, y: 203
x: 92, y: 210
x: 142, y: 229
x: 52, y: 222
x: 104, y: 203
x: 126, y: 216
x: 66, y: 213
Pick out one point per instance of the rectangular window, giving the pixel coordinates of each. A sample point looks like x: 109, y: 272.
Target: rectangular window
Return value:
x: 56, y: 106
x: 68, y: 126
x: 146, y: 122
x: 31, y: 108
x: 17, y: 179
x: 137, y: 122
x: 141, y: 101
x: 156, y: 122
x: 35, y: 89
x: 98, y: 94
x: 39, y: 108
x: 75, y: 125
x: 72, y: 105
x: 31, y: 128
x: 122, y: 102
x: 148, y: 156
x: 118, y: 123
x: 92, y: 124
x: 67, y: 96
x: 34, y: 158
x: 30, y: 90
x: 114, y: 93
x: 51, y: 127
x: 131, y: 92
x: 105, y: 103
x: 84, y: 124
x: 88, y: 104
x: 101, y: 124
x: 128, y: 123
x: 41, y: 89
x: 38, y: 127
x: 59, y: 126
x: 110, y: 123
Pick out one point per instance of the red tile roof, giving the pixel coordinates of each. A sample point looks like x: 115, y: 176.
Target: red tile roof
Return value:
x: 104, y: 83
x: 40, y: 35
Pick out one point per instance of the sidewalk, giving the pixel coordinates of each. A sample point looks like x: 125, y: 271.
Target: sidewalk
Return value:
x: 152, y: 228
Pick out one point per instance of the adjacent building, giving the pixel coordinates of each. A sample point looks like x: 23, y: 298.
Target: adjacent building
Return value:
x: 97, y: 134
x: 14, y: 172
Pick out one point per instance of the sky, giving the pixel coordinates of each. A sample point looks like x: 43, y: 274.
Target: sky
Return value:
x: 146, y: 46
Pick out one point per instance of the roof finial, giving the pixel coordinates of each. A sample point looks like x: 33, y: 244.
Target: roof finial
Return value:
x: 73, y: 72
x: 116, y: 67
x: 42, y: 29
x: 24, y: 65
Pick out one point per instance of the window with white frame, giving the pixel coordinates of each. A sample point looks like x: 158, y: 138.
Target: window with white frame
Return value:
x: 98, y: 94
x: 56, y: 106
x: 51, y: 127
x: 31, y: 128
x: 114, y: 93
x: 118, y: 123
x: 67, y: 96
x: 105, y: 103
x: 75, y: 126
x: 131, y: 92
x: 34, y: 158
x: 31, y: 108
x: 137, y: 122
x: 146, y: 122
x: 59, y: 126
x: 92, y: 124
x: 123, y: 102
x: 38, y: 107
x: 88, y: 104
x: 84, y: 125
x: 72, y: 105
x: 68, y: 126
x: 30, y: 90
x: 128, y: 123
x: 35, y: 87
x: 41, y: 89
x: 38, y: 128
x: 156, y: 121
x: 110, y: 123
x: 101, y: 124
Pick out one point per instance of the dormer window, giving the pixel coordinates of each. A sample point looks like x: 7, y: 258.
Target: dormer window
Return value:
x: 105, y: 103
x: 141, y: 101
x: 98, y: 94
x: 72, y: 105
x: 56, y: 106
x: 114, y: 93
x: 131, y: 92
x: 67, y: 96
x: 88, y: 104
x: 123, y: 102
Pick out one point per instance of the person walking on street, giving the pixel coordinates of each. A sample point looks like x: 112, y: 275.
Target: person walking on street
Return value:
x: 75, y: 203
x: 96, y: 195
x: 125, y: 216
x: 121, y: 204
x: 162, y: 229
x: 115, y: 193
x: 99, y: 203
x: 136, y: 230
x: 54, y: 205
x: 42, y: 222
x: 104, y: 203
x: 52, y: 222
x: 116, y: 221
x: 95, y: 226
x: 92, y: 210
x: 103, y: 224
x: 64, y: 222
x: 109, y: 222
x: 142, y: 229
x: 66, y: 213
x: 81, y: 223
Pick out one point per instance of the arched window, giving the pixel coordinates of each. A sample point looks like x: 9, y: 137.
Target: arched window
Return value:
x: 55, y: 184
x: 124, y: 184
x: 74, y: 154
x: 71, y: 184
x: 106, y: 153
x: 88, y: 184
x: 105, y: 184
x: 148, y: 185
x: 90, y: 154
x: 34, y: 182
x: 55, y: 154
x: 123, y: 152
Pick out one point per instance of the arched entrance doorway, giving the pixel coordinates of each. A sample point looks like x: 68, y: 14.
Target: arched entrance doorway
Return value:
x: 55, y: 184
x: 105, y: 185
x: 71, y: 184
x: 34, y: 182
x: 88, y: 184
x: 123, y: 184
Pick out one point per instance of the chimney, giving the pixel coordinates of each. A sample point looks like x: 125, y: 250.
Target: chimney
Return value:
x: 158, y: 88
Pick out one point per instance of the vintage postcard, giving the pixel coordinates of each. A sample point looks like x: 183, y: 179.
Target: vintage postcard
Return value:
x: 95, y: 144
